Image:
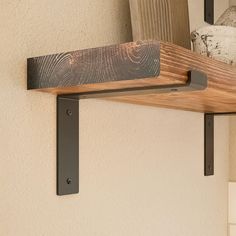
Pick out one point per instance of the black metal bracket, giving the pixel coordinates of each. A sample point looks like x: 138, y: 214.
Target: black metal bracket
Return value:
x: 209, y: 11
x: 67, y: 145
x: 68, y: 125
x: 208, y: 144
x: 209, y: 141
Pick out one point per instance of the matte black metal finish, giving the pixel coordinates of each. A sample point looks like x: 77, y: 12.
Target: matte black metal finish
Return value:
x: 68, y: 125
x: 67, y: 145
x: 209, y: 141
x: 196, y: 81
x: 208, y: 144
x: 209, y: 11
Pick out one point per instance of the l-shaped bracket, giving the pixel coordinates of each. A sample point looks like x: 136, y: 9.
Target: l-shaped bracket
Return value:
x: 209, y: 141
x: 68, y: 125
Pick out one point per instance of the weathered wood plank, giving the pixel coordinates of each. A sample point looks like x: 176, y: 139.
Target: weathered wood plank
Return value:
x: 220, y: 96
x: 174, y: 63
x: 93, y: 66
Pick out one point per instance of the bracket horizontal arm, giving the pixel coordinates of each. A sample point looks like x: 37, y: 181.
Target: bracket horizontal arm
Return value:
x: 197, y: 80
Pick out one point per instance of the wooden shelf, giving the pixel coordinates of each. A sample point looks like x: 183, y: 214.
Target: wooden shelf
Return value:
x: 144, y: 69
x: 135, y: 65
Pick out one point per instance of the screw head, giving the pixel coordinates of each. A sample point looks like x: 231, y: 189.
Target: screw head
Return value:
x: 69, y: 181
x: 69, y: 112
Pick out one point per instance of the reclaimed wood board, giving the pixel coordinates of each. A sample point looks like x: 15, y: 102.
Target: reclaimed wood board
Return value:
x: 143, y: 63
x: 124, y: 62
x: 166, y: 20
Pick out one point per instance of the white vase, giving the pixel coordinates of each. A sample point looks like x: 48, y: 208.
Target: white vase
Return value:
x: 218, y: 42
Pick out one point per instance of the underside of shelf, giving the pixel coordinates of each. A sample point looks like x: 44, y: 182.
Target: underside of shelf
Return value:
x: 139, y: 65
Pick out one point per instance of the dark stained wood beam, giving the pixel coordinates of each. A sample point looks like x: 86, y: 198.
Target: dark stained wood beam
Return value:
x: 95, y: 66
x: 137, y: 64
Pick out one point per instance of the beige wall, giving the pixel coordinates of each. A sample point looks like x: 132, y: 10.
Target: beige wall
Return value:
x: 232, y: 166
x: 232, y: 2
x: 232, y: 169
x: 197, y: 13
x: 141, y: 168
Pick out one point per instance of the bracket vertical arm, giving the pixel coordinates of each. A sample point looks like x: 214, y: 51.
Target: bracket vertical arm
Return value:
x: 67, y: 145
x: 208, y: 144
x: 68, y: 125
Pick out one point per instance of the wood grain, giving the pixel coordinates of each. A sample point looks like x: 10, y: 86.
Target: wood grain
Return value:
x: 174, y: 63
x: 166, y: 20
x: 97, y: 65
x: 220, y: 96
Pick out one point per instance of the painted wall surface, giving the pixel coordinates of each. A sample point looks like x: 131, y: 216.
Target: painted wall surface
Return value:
x: 232, y: 2
x: 197, y: 13
x: 141, y: 168
x: 232, y: 209
x: 232, y: 166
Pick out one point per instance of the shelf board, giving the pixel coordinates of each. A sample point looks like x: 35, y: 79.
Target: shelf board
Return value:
x: 135, y: 65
